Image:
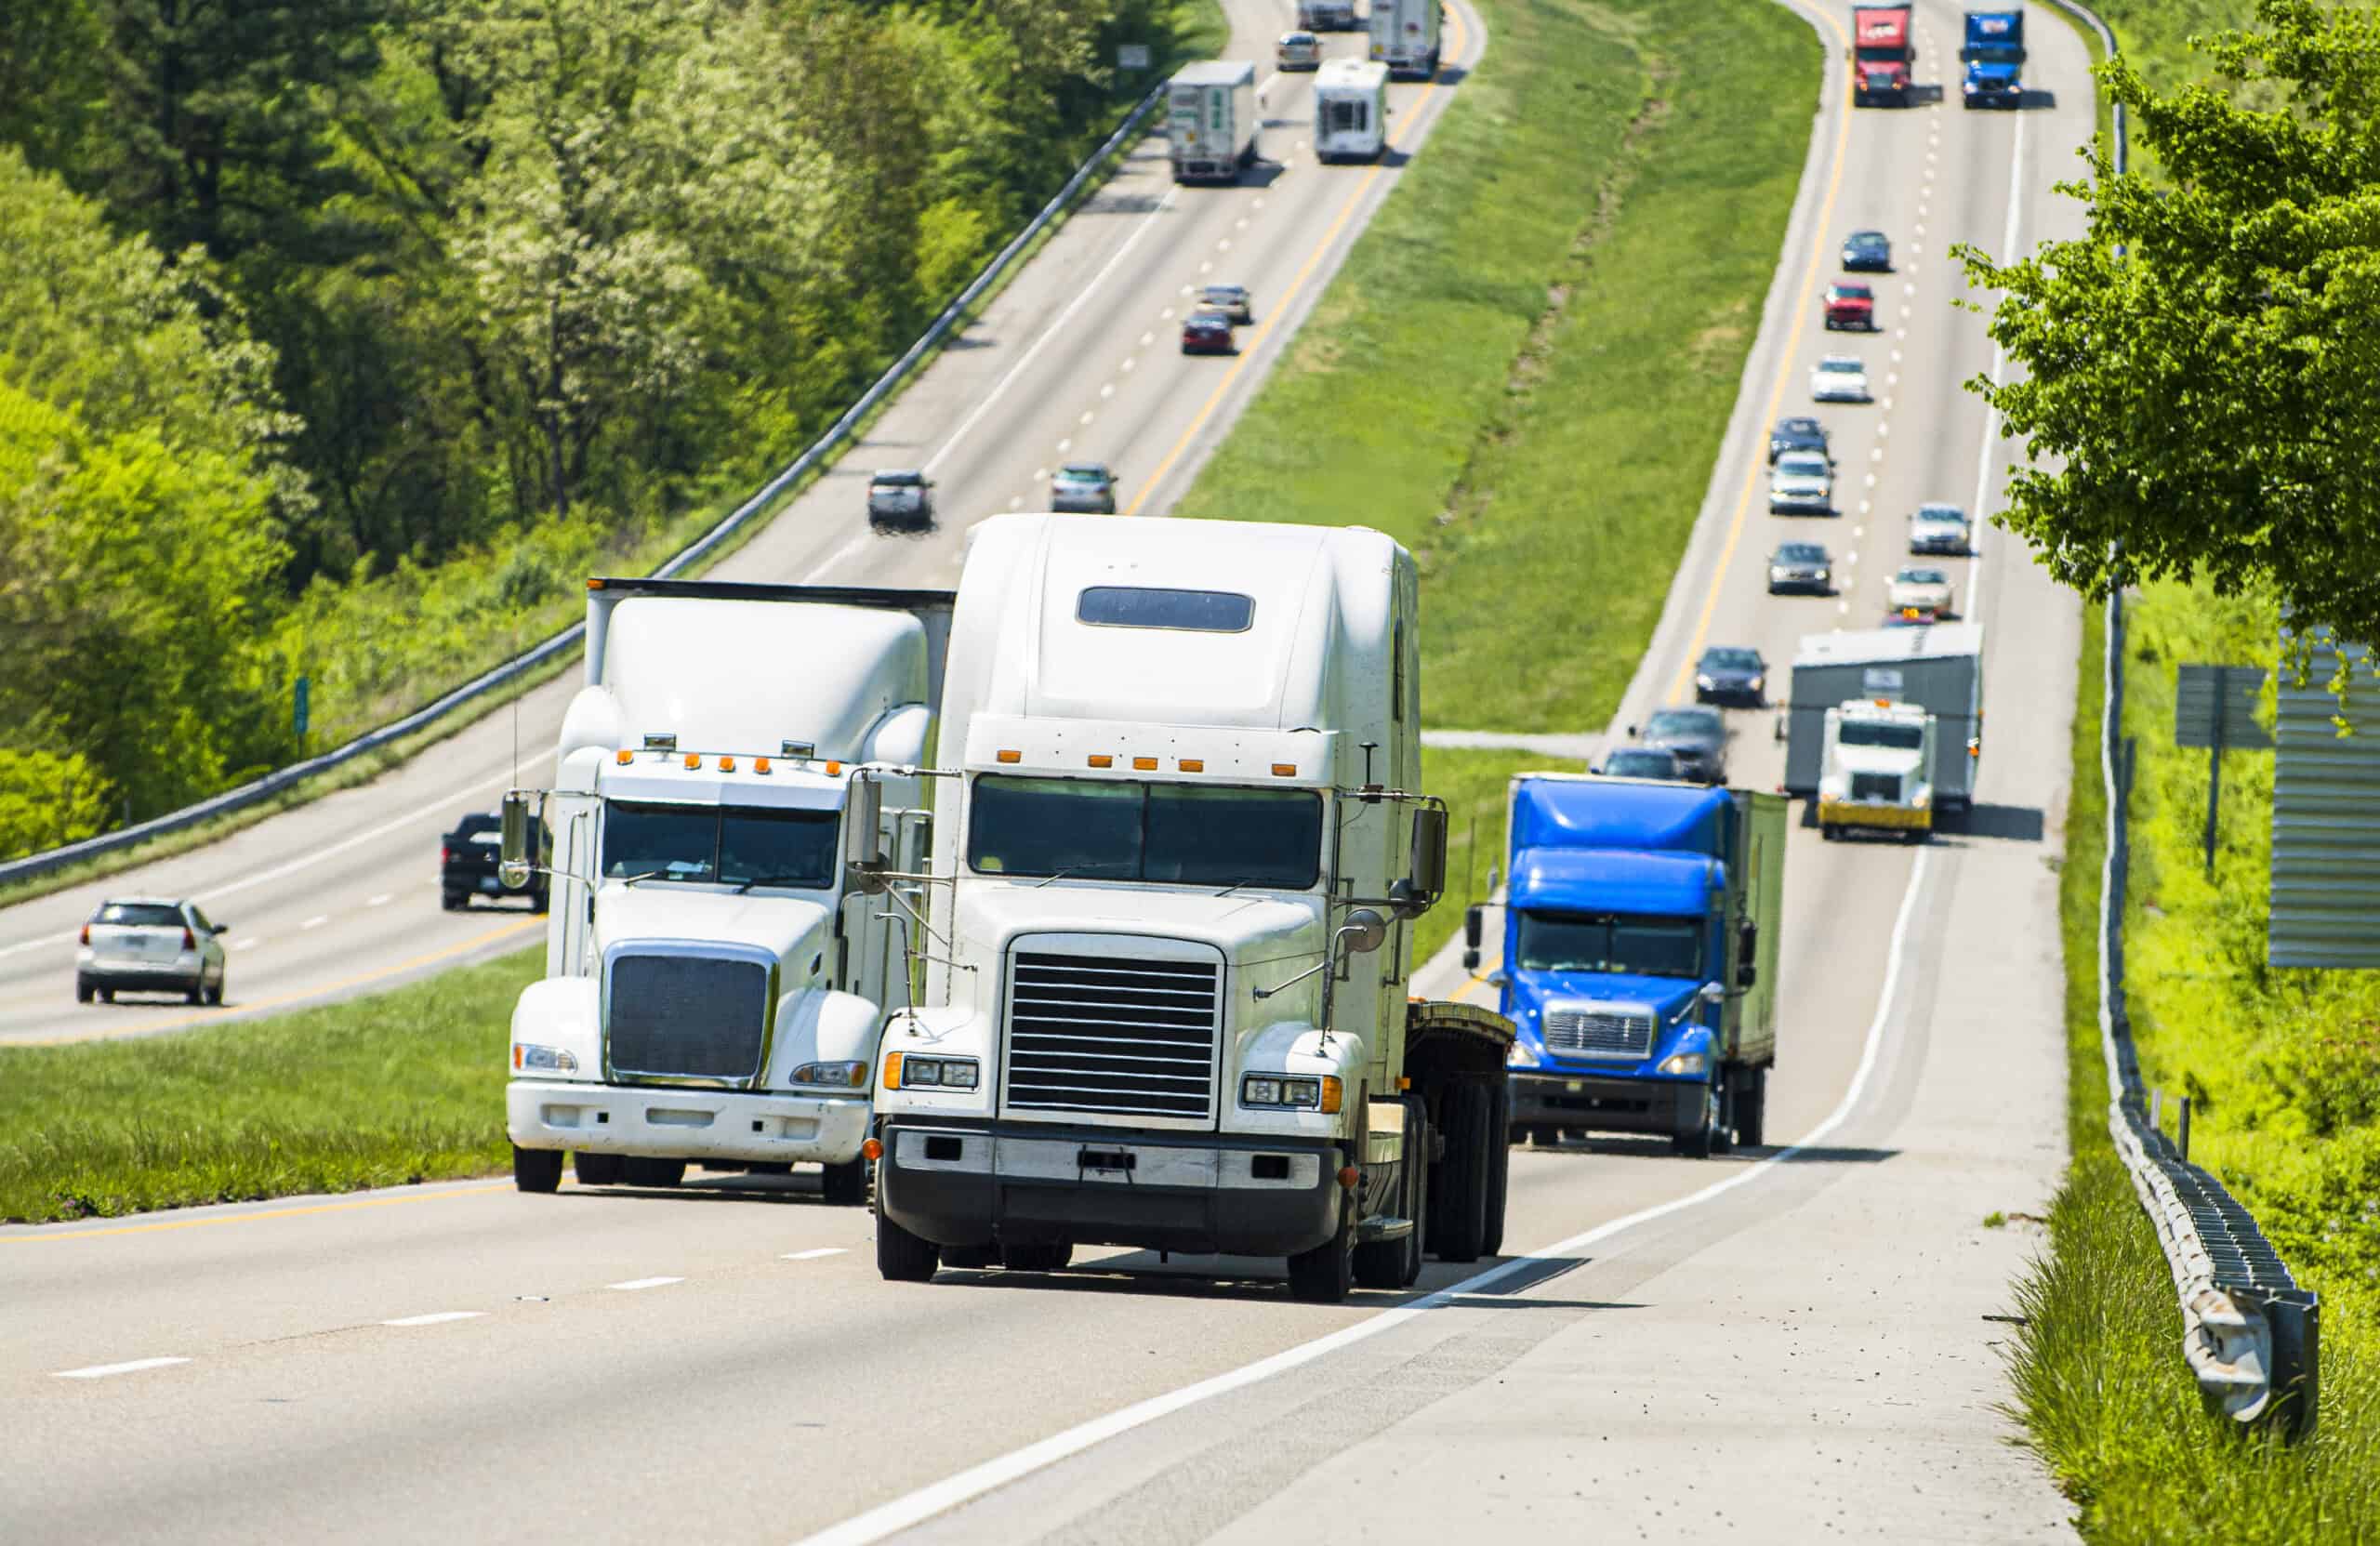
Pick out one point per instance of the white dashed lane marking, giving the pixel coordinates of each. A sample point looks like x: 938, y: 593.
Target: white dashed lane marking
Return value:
x: 102, y: 1372
x: 380, y: 901
x: 436, y: 1318
x: 633, y: 1284
x: 316, y: 921
x: 812, y: 1255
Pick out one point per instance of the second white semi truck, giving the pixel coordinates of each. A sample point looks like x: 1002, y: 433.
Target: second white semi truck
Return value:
x: 1212, y: 118
x: 1179, y: 853
x: 714, y: 989
x: 1350, y: 110
x: 1405, y: 37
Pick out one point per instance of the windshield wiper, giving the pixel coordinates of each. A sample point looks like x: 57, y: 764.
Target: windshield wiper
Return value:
x: 1243, y: 880
x: 806, y: 882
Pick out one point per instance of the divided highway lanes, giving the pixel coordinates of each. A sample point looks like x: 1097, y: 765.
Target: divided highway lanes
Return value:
x: 1781, y: 1343
x: 1078, y: 357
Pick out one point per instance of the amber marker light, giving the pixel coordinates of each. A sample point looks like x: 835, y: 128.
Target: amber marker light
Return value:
x: 892, y: 1070
x: 760, y: 764
x: 1285, y: 770
x: 1192, y: 764
x: 872, y: 1149
x: 833, y: 770
x: 1100, y: 760
x: 625, y: 757
x: 694, y: 760
x: 1331, y: 1094
x: 1011, y: 757
x: 727, y: 764
x: 1145, y: 765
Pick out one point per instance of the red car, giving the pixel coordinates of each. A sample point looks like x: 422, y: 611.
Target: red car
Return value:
x: 1208, y: 333
x: 1850, y: 307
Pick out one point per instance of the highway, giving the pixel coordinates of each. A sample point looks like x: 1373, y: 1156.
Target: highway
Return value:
x: 1793, y: 1342
x: 1078, y: 358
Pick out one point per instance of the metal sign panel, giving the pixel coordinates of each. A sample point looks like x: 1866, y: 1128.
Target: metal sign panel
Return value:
x: 2215, y: 706
x: 2325, y: 897
x: 1132, y: 56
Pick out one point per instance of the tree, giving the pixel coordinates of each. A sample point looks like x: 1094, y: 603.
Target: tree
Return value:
x: 2202, y: 371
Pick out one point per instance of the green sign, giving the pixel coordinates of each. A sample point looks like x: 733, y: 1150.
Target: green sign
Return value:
x: 297, y: 707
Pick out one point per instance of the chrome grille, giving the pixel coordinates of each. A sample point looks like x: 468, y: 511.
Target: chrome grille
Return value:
x: 1125, y: 1035
x: 1872, y: 786
x: 1599, y: 1033
x: 686, y: 1017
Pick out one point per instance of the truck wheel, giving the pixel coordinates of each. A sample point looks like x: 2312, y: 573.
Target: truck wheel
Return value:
x: 1458, y: 1204
x: 537, y: 1169
x: 1702, y: 1139
x: 1829, y: 831
x: 1327, y: 1274
x: 1037, y: 1256
x: 1499, y: 1168
x: 640, y: 1170
x: 595, y: 1170
x: 1751, y: 1086
x: 845, y: 1186
x: 901, y: 1257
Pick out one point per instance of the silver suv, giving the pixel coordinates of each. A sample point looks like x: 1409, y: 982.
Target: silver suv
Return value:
x: 146, y: 945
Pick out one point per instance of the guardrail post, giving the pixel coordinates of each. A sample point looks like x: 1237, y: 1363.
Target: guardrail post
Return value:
x: 2185, y: 1128
x: 2296, y: 1316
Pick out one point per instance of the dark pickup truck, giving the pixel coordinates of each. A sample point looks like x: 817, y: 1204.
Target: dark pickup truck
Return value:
x: 467, y: 864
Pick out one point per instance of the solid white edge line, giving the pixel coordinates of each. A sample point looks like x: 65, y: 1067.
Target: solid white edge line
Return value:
x: 813, y: 1254
x: 101, y: 1371
x: 436, y: 1318
x: 635, y: 1283
x: 1977, y: 573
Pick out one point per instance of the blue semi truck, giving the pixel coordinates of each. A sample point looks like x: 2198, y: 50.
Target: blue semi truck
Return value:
x: 1994, y: 57
x: 1639, y: 957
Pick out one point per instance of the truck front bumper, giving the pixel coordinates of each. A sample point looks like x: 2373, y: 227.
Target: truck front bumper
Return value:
x: 1607, y: 1104
x: 1854, y: 813
x: 666, y: 1123
x: 965, y: 1183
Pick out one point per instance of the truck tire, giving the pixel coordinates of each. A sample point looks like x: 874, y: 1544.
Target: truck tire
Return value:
x: 1459, y: 1203
x: 1500, y: 1167
x: 640, y: 1171
x: 596, y: 1170
x: 1327, y: 1274
x: 1701, y: 1141
x: 1384, y: 1264
x: 537, y: 1169
x: 844, y: 1186
x: 1037, y: 1256
x: 902, y: 1257
x: 1751, y: 1087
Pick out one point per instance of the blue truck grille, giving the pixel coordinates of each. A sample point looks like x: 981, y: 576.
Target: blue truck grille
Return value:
x: 1599, y: 1033
x: 686, y: 1017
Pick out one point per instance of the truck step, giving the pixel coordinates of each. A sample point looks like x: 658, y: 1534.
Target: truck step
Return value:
x: 1382, y: 1226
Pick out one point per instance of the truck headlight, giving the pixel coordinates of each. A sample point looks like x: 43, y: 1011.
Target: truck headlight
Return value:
x: 908, y: 1071
x: 841, y: 1076
x: 552, y: 1059
x: 1290, y: 1091
x: 1522, y: 1055
x: 1686, y: 1063
x: 1923, y: 799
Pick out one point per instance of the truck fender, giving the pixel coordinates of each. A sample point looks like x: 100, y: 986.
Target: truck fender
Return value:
x: 822, y: 1025
x: 561, y: 1013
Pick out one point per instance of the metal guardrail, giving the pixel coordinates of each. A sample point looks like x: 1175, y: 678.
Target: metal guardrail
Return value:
x: 257, y: 790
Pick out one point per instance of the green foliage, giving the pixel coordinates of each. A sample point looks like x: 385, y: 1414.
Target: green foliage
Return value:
x: 401, y: 1087
x: 2196, y: 384
x: 48, y: 799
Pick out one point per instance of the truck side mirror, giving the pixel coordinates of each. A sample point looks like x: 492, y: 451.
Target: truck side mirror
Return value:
x: 1475, y: 919
x: 1364, y: 931
x: 1712, y: 993
x: 1747, y: 953
x: 514, y: 864
x: 1425, y: 879
x: 863, y: 820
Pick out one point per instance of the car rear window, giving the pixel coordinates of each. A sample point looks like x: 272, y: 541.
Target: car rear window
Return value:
x: 140, y: 915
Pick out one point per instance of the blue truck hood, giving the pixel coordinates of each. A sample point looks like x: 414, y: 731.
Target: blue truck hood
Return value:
x: 1604, y: 880
x: 1983, y: 73
x: 1555, y: 989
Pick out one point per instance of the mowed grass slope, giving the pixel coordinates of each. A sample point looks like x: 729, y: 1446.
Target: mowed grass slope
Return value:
x: 1523, y: 371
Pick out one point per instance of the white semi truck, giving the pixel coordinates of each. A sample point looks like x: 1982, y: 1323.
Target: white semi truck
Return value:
x: 1211, y: 116
x: 1351, y: 109
x: 1179, y: 853
x: 713, y: 989
x: 1405, y: 37
x: 1875, y: 772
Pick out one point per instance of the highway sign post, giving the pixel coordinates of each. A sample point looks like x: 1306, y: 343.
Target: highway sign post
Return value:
x: 2215, y: 706
x: 298, y: 712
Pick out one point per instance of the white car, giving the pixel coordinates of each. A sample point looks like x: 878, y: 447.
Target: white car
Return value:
x: 1839, y: 378
x: 1801, y: 480
x: 148, y: 944
x: 1299, y: 51
x: 1940, y: 529
x: 1920, y: 586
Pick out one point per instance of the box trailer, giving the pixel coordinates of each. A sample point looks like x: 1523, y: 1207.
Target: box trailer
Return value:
x: 1212, y: 119
x: 1938, y: 668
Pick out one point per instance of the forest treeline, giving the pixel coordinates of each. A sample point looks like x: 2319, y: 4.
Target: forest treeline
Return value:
x: 340, y: 338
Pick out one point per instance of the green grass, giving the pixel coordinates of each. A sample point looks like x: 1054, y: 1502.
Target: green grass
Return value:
x: 1525, y: 369
x: 405, y: 1086
x: 1473, y: 784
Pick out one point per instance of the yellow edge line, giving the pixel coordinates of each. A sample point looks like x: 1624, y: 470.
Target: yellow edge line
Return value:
x: 287, y: 998
x: 1263, y: 329
x: 473, y: 1190
x: 1777, y: 395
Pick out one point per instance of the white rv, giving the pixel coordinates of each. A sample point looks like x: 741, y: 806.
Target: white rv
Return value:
x: 1351, y: 109
x: 713, y: 990
x: 1405, y: 35
x: 1179, y: 852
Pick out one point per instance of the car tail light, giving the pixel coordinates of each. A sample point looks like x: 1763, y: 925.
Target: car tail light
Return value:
x: 189, y: 941
x: 445, y: 855
x: 87, y: 934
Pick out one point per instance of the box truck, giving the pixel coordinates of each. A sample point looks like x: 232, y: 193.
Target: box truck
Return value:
x: 1936, y: 668
x: 1405, y: 37
x: 1212, y: 120
x: 1350, y: 110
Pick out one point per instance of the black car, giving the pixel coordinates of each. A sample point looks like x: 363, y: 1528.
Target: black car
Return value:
x: 1697, y: 736
x: 467, y: 864
x: 1868, y: 252
x: 1643, y: 762
x: 1730, y: 673
x: 1206, y: 331
x: 900, y: 498
x: 1799, y: 433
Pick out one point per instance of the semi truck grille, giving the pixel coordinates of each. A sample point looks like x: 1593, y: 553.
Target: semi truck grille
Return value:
x: 1599, y: 1033
x: 1124, y: 1035
x: 686, y: 1017
x: 1871, y: 786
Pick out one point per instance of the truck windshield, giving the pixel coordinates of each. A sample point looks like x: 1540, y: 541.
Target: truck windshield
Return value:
x: 1869, y: 734
x: 731, y: 844
x: 1632, y: 943
x: 1193, y: 835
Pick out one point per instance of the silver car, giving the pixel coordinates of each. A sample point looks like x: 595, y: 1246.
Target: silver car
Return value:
x: 148, y: 944
x: 1232, y: 301
x: 1940, y: 529
x: 1801, y: 480
x: 1803, y: 566
x: 1920, y: 586
x: 1839, y: 378
x: 1299, y: 51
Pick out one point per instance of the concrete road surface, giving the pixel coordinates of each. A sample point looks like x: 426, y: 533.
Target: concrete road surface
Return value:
x: 1790, y: 1344
x: 1078, y: 359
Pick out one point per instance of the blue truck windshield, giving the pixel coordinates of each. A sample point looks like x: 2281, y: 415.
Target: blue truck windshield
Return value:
x: 733, y: 845
x: 1630, y: 943
x: 1098, y: 829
